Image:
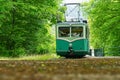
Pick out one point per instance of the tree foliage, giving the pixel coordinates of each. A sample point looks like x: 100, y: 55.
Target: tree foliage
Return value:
x: 104, y: 22
x: 25, y: 26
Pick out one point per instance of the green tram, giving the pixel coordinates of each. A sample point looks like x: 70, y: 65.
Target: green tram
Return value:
x: 72, y: 39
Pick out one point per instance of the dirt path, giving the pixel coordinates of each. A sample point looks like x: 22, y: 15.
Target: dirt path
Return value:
x: 61, y: 69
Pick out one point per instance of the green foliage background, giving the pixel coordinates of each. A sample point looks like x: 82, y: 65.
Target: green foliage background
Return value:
x: 104, y: 19
x: 25, y: 26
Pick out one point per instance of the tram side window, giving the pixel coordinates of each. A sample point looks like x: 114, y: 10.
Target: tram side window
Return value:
x: 77, y: 32
x: 64, y: 32
x: 87, y: 33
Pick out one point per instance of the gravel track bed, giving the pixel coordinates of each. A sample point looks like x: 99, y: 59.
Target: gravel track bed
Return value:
x: 61, y: 69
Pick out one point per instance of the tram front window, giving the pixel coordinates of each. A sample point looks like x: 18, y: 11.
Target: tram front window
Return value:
x: 64, y: 32
x: 77, y: 31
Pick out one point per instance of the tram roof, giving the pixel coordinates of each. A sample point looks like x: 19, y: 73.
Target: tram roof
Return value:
x: 71, y: 23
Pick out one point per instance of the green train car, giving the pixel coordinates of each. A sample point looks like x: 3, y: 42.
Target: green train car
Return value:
x: 72, y: 39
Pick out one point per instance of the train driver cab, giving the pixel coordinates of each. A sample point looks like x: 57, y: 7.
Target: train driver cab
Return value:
x: 72, y: 32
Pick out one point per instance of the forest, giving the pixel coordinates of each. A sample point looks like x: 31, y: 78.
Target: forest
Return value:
x: 25, y: 26
x: 104, y: 22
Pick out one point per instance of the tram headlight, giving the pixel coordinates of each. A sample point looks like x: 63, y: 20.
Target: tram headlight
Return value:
x: 70, y: 45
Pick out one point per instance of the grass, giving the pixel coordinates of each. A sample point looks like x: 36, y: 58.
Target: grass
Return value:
x: 33, y: 57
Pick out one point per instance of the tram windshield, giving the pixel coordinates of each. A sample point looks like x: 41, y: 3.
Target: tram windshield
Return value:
x: 77, y: 32
x: 70, y: 31
x: 64, y: 31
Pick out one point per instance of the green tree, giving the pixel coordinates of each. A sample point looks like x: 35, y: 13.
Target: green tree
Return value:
x: 104, y: 24
x: 25, y: 26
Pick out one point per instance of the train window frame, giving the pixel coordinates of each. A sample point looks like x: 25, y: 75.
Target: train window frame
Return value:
x: 77, y: 33
x: 63, y: 33
x: 84, y: 32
